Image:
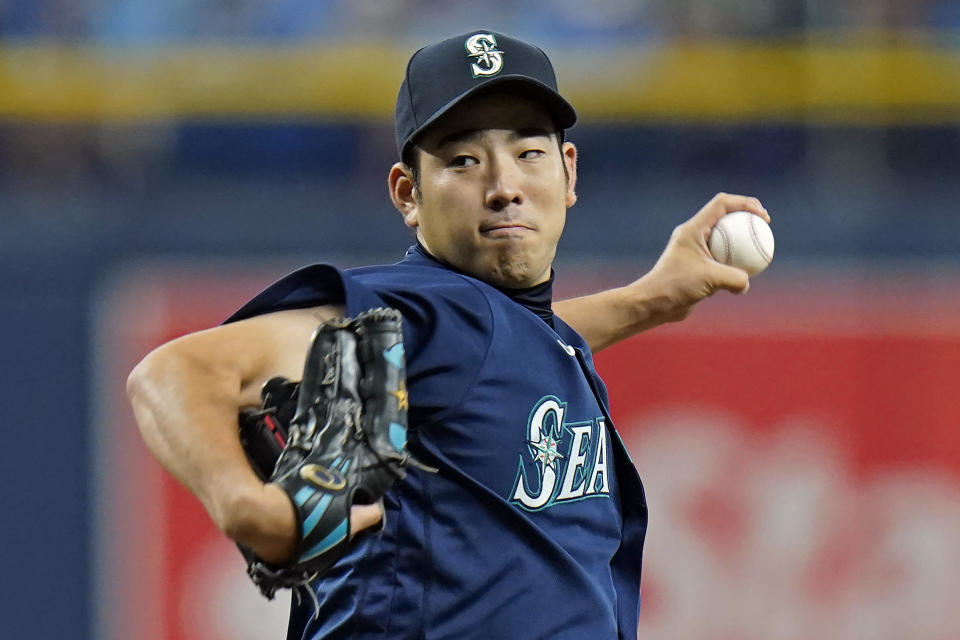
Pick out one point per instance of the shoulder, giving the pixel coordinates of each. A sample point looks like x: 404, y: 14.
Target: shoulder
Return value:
x: 447, y: 316
x: 423, y: 293
x: 570, y: 335
x: 409, y: 287
x: 312, y: 286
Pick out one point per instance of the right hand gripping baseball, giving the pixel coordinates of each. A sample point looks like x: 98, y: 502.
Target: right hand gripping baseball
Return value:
x: 347, y: 440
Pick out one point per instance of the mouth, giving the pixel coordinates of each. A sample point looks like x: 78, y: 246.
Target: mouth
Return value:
x: 505, y: 229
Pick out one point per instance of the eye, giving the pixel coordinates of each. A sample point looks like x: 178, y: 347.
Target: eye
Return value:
x: 531, y: 154
x: 463, y: 161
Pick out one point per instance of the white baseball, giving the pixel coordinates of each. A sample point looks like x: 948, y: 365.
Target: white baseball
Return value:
x: 743, y: 240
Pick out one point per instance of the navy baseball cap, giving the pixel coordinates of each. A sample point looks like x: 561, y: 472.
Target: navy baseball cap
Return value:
x: 441, y: 75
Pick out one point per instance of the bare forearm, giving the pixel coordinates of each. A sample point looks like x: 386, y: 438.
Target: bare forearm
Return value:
x: 610, y: 316
x: 187, y: 414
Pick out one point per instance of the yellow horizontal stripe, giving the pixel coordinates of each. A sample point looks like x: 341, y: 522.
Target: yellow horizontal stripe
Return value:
x: 829, y: 83
x: 57, y: 82
x: 834, y: 83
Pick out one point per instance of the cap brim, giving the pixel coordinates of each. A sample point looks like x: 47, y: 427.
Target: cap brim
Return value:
x: 561, y: 112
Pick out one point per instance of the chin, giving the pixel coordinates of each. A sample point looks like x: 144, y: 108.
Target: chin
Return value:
x: 516, y: 272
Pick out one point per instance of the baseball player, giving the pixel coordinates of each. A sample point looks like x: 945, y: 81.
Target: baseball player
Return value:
x: 531, y: 522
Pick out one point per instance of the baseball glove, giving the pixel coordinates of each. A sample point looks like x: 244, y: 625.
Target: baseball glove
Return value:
x: 335, y: 439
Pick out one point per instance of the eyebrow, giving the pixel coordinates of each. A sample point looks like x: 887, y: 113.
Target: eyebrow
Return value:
x: 465, y: 134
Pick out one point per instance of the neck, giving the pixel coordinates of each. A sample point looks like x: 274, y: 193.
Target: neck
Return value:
x: 537, y: 298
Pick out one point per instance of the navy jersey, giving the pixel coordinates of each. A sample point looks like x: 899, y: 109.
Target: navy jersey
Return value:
x: 533, y: 526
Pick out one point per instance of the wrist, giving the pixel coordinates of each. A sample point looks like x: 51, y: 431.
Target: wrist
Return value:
x: 261, y: 517
x: 657, y: 300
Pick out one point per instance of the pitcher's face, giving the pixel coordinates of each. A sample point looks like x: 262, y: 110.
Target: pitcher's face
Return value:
x: 493, y: 190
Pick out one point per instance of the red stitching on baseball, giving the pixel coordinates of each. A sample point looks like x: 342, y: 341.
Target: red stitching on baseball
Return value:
x: 727, y: 249
x: 756, y: 240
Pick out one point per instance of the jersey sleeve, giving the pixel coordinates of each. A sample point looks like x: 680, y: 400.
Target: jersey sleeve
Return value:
x: 313, y: 286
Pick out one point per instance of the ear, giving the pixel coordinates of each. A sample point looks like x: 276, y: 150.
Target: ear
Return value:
x: 403, y: 193
x: 569, y: 157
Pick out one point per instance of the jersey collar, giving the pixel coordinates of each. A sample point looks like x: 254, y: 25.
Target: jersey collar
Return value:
x: 538, y: 298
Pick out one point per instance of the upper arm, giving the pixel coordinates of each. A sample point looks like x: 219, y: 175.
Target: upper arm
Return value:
x: 247, y: 353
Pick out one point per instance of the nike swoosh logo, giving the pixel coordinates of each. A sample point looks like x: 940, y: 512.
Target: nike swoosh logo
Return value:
x: 570, y: 350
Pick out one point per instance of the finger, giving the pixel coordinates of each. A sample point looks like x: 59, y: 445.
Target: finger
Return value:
x: 731, y: 278
x: 758, y: 209
x: 364, y: 516
x: 724, y: 203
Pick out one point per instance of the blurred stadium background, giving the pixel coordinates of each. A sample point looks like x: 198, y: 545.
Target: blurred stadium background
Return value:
x: 162, y: 161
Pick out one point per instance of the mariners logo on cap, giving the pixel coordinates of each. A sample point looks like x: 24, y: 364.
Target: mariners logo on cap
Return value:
x: 483, y: 48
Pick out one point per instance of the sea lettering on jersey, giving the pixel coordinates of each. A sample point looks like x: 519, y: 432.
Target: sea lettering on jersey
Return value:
x: 564, y: 461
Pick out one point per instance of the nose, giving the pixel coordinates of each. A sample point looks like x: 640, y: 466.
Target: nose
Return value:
x: 503, y: 188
